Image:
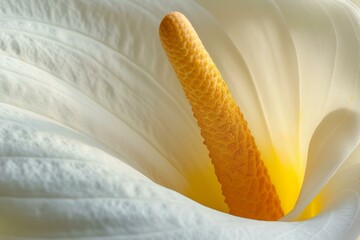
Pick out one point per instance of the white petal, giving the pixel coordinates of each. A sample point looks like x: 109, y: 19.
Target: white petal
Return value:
x: 99, y: 68
x: 356, y: 2
x: 344, y: 189
x: 310, y: 54
x: 302, y: 58
x: 261, y: 67
x: 84, y: 65
x: 333, y: 142
x: 354, y: 158
x: 56, y: 186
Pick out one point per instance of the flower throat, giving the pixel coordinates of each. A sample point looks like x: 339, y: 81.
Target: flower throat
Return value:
x: 244, y: 179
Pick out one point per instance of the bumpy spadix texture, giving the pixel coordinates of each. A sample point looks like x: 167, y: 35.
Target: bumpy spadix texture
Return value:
x: 245, y: 181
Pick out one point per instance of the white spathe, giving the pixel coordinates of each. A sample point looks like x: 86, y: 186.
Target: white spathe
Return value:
x: 91, y: 111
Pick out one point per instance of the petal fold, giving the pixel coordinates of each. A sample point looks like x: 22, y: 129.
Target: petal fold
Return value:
x: 94, y: 156
x: 98, y: 68
x: 69, y: 189
x: 333, y: 142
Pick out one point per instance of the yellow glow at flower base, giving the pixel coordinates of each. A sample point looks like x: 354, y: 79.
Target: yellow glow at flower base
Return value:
x: 210, y: 194
x: 313, y: 209
x: 245, y: 181
x: 286, y: 177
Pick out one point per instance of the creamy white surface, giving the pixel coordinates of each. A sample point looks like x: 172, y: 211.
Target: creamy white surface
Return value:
x: 92, y: 115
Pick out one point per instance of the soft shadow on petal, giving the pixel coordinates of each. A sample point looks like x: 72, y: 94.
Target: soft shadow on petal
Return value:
x: 333, y: 142
x: 356, y: 2
x: 98, y: 68
x: 344, y: 189
x: 311, y: 66
x: 261, y: 37
x: 354, y: 158
x: 56, y: 186
x: 326, y: 37
x: 269, y: 95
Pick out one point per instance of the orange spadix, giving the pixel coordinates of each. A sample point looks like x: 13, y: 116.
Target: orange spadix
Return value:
x: 245, y: 182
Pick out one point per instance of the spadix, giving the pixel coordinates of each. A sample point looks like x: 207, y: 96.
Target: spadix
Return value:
x: 245, y: 181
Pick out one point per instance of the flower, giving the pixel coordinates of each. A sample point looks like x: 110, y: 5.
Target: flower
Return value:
x: 98, y: 141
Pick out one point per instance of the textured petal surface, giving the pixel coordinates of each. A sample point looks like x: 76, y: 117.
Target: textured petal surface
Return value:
x: 120, y: 122
x: 99, y: 68
x: 56, y: 184
x: 309, y: 66
x: 345, y: 187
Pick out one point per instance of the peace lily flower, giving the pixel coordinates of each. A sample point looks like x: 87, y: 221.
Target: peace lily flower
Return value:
x: 98, y: 140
